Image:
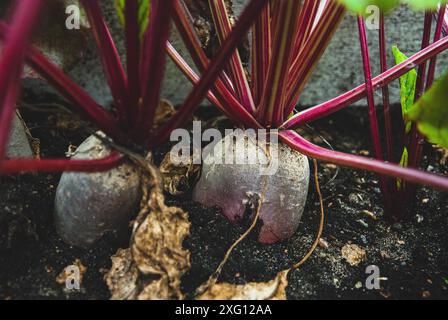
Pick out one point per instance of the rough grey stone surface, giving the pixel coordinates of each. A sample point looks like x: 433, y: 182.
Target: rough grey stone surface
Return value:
x: 341, y: 68
x: 18, y: 144
x: 90, y: 74
x: 235, y: 185
x: 88, y: 205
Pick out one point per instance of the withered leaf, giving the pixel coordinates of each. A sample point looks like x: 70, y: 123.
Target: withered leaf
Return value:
x: 157, y: 251
x: 178, y: 178
x: 155, y: 262
x: 66, y: 273
x: 271, y: 290
x: 164, y: 111
x: 122, y: 277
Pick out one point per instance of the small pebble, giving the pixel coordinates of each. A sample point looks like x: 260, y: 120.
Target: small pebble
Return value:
x: 364, y: 239
x: 354, y: 198
x: 369, y: 214
x: 364, y: 152
x: 336, y: 282
x: 358, y: 285
x: 419, y: 218
x: 363, y: 223
x: 323, y: 243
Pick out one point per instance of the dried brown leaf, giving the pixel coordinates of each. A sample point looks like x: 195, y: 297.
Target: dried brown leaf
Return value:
x: 157, y: 251
x: 271, y: 290
x: 155, y: 262
x: 178, y: 178
x: 164, y: 111
x: 122, y: 277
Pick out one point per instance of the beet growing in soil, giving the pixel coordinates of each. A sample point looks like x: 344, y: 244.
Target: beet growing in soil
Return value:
x: 412, y: 255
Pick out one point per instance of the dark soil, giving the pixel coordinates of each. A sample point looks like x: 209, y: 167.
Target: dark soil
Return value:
x: 412, y: 255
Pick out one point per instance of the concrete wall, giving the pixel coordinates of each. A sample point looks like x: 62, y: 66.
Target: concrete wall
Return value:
x: 341, y: 66
x: 339, y: 70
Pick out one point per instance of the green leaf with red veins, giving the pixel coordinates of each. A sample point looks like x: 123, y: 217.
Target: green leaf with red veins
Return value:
x: 431, y: 113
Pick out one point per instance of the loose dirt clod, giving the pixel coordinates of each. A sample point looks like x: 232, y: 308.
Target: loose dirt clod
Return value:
x: 353, y: 254
x: 63, y: 276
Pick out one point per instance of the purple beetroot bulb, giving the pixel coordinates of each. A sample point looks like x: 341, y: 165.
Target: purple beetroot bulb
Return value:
x: 89, y: 205
x: 232, y: 186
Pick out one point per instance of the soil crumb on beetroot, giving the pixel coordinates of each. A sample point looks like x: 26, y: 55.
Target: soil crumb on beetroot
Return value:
x: 412, y: 256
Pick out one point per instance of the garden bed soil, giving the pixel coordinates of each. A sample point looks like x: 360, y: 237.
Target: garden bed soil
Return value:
x: 412, y: 255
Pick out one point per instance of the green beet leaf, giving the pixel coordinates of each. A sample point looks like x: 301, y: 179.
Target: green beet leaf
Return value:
x: 404, y: 162
x: 143, y: 14
x: 359, y: 6
x: 431, y: 113
x: 408, y: 83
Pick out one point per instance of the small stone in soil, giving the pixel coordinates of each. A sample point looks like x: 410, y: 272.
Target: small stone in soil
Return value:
x: 364, y: 239
x: 323, y: 243
x: 369, y: 214
x: 397, y: 227
x: 353, y: 254
x: 363, y: 223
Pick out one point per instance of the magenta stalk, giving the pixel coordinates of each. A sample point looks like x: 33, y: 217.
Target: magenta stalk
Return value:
x: 374, y: 129
x: 385, y: 91
x: 295, y: 141
x: 58, y: 165
x: 133, y: 53
x: 109, y: 56
x: 359, y: 92
x: 207, y: 80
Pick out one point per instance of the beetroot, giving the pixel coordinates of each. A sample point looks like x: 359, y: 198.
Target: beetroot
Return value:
x: 89, y: 205
x: 232, y: 187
